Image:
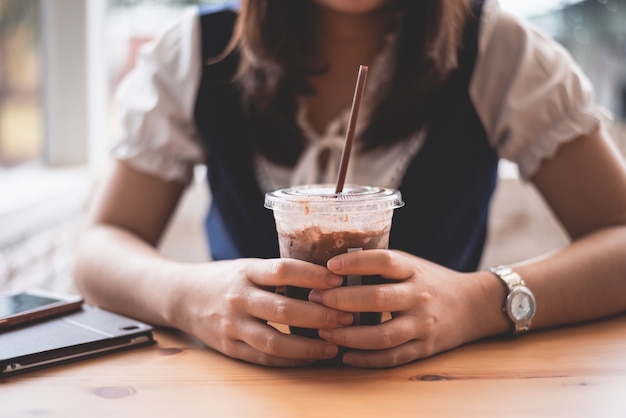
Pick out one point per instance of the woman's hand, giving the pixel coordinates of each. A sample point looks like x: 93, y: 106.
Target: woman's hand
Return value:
x: 429, y: 305
x: 230, y: 311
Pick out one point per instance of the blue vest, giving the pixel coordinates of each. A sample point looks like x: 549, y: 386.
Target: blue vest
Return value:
x: 447, y: 187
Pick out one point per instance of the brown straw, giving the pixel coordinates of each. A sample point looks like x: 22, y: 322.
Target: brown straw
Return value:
x: 354, y: 113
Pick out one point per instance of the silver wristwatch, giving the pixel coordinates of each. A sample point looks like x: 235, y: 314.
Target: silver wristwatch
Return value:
x: 520, y: 301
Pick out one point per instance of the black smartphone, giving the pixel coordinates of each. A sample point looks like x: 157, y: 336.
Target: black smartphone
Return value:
x: 30, y: 305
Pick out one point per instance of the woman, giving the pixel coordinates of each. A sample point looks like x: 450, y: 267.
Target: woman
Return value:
x: 261, y: 96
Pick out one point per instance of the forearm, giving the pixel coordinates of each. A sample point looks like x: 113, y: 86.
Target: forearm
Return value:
x: 118, y: 271
x: 583, y: 281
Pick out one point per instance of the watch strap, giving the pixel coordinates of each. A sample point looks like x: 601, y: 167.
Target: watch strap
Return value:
x: 513, y: 283
x: 509, y: 277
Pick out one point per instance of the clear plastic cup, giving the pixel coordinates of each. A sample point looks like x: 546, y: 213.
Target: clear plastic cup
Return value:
x: 314, y: 224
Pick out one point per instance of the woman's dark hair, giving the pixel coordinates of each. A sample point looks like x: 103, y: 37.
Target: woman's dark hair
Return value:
x: 272, y: 39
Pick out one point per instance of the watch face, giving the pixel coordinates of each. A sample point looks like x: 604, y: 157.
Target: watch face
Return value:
x: 521, y: 305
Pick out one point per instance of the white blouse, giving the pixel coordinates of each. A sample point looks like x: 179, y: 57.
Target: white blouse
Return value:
x: 528, y: 92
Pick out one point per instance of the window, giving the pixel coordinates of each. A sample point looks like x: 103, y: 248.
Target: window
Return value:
x: 46, y: 98
x: 129, y: 25
x: 21, y: 128
x: 594, y: 32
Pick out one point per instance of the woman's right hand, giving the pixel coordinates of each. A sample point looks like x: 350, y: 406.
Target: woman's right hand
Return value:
x: 227, y: 304
x: 224, y: 303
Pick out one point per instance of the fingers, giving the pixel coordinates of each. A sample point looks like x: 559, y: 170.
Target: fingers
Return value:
x: 245, y: 352
x: 263, y: 344
x: 248, y: 307
x: 285, y: 310
x: 386, y: 335
x: 406, y: 353
x: 289, y: 271
x: 392, y: 297
x: 371, y: 298
x: 389, y: 344
x: 392, y: 265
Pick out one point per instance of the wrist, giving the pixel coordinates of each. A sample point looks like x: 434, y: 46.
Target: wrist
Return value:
x: 519, y: 304
x: 194, y: 292
x: 485, y: 306
x: 178, y: 294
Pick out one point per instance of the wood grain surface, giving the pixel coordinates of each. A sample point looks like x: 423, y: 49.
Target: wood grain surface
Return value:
x: 577, y: 371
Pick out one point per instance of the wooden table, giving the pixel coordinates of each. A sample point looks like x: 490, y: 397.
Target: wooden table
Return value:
x: 571, y: 372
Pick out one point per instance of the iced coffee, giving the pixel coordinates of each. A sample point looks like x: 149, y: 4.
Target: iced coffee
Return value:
x: 314, y: 224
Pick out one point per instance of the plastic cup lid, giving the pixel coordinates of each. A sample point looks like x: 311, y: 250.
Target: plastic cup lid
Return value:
x: 322, y: 197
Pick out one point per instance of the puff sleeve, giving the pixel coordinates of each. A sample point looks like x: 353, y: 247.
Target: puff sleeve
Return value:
x: 529, y: 93
x: 155, y: 102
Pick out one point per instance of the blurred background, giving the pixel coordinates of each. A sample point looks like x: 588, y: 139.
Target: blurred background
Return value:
x: 61, y: 60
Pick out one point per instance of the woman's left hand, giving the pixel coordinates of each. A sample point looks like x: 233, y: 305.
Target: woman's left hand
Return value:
x: 431, y: 308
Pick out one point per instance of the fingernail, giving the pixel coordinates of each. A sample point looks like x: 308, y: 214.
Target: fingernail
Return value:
x: 346, y: 318
x: 334, y: 280
x: 348, y: 359
x: 324, y: 333
x: 334, y: 264
x: 315, y: 296
x: 330, y: 351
